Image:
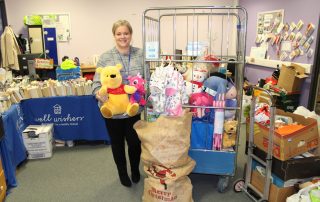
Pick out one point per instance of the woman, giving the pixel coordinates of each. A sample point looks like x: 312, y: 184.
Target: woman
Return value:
x: 120, y: 127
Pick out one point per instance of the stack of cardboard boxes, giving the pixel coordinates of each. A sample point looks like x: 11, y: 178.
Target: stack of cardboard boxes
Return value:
x: 291, y: 161
x: 290, y: 80
x: 291, y: 164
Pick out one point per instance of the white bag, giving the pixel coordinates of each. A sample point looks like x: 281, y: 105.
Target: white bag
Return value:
x: 303, y: 194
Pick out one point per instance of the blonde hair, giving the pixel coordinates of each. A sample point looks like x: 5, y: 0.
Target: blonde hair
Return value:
x: 121, y: 23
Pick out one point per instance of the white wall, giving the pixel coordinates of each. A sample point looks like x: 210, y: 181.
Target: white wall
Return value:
x: 91, y: 20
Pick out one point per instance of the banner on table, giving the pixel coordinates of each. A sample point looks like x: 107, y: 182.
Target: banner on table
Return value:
x: 74, y: 117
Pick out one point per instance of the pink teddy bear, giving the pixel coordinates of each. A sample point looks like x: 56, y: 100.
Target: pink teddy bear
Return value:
x: 138, y: 96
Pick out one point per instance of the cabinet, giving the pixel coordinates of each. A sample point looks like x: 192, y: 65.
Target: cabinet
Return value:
x: 35, y: 39
x: 50, y: 43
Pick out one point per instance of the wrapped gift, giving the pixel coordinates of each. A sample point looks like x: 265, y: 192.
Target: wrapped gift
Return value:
x: 262, y: 114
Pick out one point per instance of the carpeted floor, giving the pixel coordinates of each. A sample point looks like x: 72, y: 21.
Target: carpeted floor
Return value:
x: 86, y: 173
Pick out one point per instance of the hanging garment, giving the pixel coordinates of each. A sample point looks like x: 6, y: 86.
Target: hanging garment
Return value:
x: 9, y: 49
x: 167, y: 91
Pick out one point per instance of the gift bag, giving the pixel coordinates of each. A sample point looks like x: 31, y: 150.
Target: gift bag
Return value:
x: 165, y: 141
x: 177, y: 191
x: 201, y: 135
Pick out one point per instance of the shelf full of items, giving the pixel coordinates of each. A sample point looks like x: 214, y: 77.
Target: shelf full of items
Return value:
x: 199, y: 51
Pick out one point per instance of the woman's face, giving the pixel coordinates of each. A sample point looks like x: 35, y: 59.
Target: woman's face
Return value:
x: 122, y: 37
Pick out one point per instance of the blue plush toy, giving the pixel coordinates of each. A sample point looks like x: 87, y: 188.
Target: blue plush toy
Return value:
x: 219, y: 85
x: 230, y: 113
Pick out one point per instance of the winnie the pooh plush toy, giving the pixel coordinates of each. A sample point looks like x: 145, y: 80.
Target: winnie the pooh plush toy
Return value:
x: 229, y: 135
x: 118, y: 99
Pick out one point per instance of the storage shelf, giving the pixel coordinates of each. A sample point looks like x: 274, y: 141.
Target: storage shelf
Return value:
x: 274, y: 63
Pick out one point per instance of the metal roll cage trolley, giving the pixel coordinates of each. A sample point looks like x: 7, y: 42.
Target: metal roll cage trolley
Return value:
x: 223, y: 28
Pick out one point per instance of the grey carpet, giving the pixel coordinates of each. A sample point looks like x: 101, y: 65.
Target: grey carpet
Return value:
x: 87, y: 173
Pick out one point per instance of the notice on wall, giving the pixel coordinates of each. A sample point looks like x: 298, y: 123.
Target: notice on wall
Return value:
x: 63, y: 27
x: 268, y: 22
x: 61, y: 21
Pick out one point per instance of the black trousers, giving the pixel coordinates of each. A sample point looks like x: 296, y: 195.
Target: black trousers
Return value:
x: 119, y: 131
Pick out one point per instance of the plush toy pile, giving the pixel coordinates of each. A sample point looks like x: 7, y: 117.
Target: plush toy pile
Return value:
x: 210, y: 92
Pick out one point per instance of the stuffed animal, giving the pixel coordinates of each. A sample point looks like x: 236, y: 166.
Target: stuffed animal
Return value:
x: 138, y: 96
x: 230, y: 114
x: 213, y: 59
x: 231, y: 91
x: 195, y: 85
x: 188, y: 75
x: 200, y: 99
x: 118, y: 99
x: 217, y: 84
x: 229, y: 135
x: 220, y: 85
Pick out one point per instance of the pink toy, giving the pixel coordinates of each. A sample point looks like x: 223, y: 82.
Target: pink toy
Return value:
x: 200, y: 99
x: 138, y: 96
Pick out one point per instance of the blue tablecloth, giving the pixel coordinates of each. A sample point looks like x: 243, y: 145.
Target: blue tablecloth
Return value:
x: 74, y: 117
x: 12, y: 149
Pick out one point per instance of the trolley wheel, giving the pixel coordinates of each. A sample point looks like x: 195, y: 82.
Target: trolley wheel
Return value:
x: 238, y: 185
x: 223, y: 183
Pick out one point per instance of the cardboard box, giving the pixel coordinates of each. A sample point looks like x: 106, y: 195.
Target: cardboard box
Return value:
x: 38, y: 140
x: 293, y: 168
x: 288, y: 146
x: 291, y: 77
x: 276, y: 194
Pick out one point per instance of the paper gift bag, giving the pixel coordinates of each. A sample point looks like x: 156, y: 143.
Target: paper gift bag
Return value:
x: 46, y: 91
x: 79, y: 90
x: 61, y: 90
x: 33, y: 92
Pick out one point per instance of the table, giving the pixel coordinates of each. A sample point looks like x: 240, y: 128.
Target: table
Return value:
x: 74, y: 117
x: 12, y: 149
